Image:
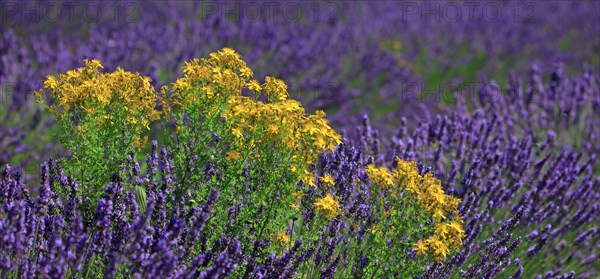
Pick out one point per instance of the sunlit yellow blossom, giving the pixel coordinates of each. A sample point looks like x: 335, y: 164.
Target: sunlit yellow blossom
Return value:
x: 438, y: 248
x: 455, y: 227
x: 95, y: 63
x: 438, y: 215
x: 237, y: 132
x: 232, y: 155
x: 50, y: 83
x: 309, y: 178
x: 120, y: 93
x: 246, y: 72
x: 438, y: 195
x: 328, y: 205
x: 253, y: 86
x: 420, y: 247
x: 273, y: 129
x: 209, y: 92
x: 275, y: 88
x: 228, y: 51
x: 441, y: 230
x: 407, y: 174
x: 380, y: 176
x: 327, y: 180
x: 281, y: 238
x: 376, y: 230
x: 140, y: 142
x: 431, y: 197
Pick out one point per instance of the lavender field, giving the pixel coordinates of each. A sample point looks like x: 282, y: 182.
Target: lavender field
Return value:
x: 299, y: 139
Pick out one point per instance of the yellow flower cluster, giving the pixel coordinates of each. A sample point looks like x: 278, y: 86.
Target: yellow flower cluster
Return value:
x: 275, y: 89
x: 432, y: 198
x: 446, y: 236
x: 218, y: 77
x: 328, y: 206
x: 380, y: 176
x: 102, y: 95
x: 428, y: 190
x: 296, y: 199
x: 281, y: 238
x: 216, y: 84
x: 327, y: 180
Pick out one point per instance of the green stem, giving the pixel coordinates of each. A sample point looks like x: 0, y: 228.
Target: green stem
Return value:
x: 87, y: 249
x: 387, y: 256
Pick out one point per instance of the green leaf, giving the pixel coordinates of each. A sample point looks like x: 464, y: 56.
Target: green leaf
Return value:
x: 140, y: 197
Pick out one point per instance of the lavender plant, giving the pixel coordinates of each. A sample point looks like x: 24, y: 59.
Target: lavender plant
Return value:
x: 47, y: 236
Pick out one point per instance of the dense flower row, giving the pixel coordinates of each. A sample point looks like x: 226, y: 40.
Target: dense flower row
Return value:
x: 47, y: 236
x: 526, y: 162
x: 529, y: 203
x: 146, y: 237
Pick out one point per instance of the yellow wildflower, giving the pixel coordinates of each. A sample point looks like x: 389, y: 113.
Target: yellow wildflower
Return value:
x: 376, y: 230
x: 328, y: 205
x: 86, y: 89
x: 281, y: 238
x: 246, y: 72
x: 441, y: 230
x: 253, y: 86
x: 380, y: 176
x: 232, y: 155
x: 438, y: 248
x: 407, y: 174
x: 50, y: 83
x: 275, y: 88
x: 140, y: 142
x: 327, y: 180
x: 237, y: 132
x: 309, y: 178
x: 438, y: 215
x: 420, y: 247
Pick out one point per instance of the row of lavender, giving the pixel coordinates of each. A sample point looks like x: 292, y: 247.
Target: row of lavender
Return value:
x: 332, y: 54
x: 524, y: 164
x: 527, y: 163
